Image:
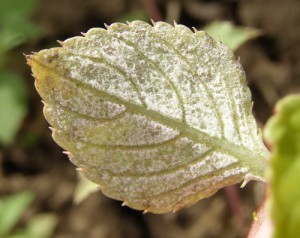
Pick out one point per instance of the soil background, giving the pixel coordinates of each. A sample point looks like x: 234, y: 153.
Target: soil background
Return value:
x: 35, y: 162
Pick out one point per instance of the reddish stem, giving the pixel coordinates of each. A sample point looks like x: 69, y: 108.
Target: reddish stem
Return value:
x: 262, y: 226
x: 235, y: 205
x: 152, y: 10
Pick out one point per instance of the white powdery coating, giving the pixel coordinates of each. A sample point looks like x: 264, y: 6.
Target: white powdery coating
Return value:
x: 148, y: 112
x: 129, y: 130
x: 220, y: 160
x: 161, y: 183
x: 223, y: 76
x: 196, y: 80
x: 196, y: 105
x: 172, y: 198
x: 100, y: 76
x: 142, y: 161
x: 153, y: 88
x: 81, y: 100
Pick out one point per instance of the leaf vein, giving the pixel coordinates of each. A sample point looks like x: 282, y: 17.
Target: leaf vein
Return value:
x: 117, y: 146
x: 190, y: 132
x: 193, y: 71
x: 194, y: 161
x: 79, y: 114
x: 113, y: 66
x: 155, y: 66
x: 202, y: 177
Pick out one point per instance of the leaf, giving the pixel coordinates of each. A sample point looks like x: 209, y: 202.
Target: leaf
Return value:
x: 283, y: 132
x: 11, y: 209
x: 230, y: 35
x: 13, y: 105
x: 16, y: 8
x: 84, y: 188
x: 159, y: 117
x: 41, y: 225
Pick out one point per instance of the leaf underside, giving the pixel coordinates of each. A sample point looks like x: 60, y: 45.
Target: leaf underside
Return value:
x: 158, y: 116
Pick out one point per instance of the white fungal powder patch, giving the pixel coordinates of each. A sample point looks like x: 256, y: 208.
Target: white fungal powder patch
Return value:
x: 81, y: 100
x: 153, y: 185
x: 129, y: 130
x: 145, y: 160
x: 195, y: 102
x: 150, y: 85
x: 100, y: 76
x: 215, y: 67
x: 205, y: 185
x: 158, y: 115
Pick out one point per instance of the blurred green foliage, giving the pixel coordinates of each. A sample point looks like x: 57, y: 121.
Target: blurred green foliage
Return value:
x: 12, y: 208
x: 283, y: 133
x: 13, y: 105
x: 15, y: 24
x: 133, y: 16
x: 15, y: 29
x: 230, y: 35
x: 84, y: 188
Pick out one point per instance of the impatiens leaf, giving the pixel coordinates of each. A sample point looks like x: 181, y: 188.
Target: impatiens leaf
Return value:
x: 283, y: 132
x: 158, y: 116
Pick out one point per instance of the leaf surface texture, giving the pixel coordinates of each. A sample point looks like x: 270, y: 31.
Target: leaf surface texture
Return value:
x: 158, y: 116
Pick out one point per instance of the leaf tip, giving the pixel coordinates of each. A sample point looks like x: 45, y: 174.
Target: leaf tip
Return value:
x: 29, y: 58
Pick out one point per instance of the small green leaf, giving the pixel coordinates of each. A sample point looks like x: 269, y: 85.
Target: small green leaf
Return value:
x: 134, y: 15
x: 13, y: 106
x: 158, y: 116
x: 16, y: 8
x: 11, y: 209
x: 41, y: 225
x: 230, y: 35
x: 8, y: 40
x: 15, y: 24
x: 283, y: 133
x: 18, y: 234
x: 84, y: 188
